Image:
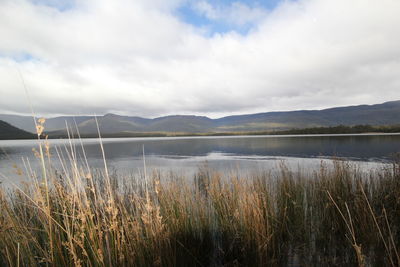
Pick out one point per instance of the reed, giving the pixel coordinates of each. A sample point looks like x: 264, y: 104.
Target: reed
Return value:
x: 77, y: 216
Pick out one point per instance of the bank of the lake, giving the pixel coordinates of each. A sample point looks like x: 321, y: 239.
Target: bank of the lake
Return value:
x: 339, y: 129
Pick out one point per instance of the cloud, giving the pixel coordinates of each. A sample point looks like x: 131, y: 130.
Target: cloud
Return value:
x: 139, y: 58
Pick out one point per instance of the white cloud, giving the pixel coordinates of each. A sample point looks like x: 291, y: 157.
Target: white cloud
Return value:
x: 138, y: 58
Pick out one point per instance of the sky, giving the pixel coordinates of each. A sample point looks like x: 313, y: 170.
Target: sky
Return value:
x: 152, y: 58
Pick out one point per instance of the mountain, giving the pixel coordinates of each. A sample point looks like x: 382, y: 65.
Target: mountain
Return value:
x: 387, y: 113
x: 8, y: 131
x: 380, y: 114
x: 111, y: 123
x: 52, y: 124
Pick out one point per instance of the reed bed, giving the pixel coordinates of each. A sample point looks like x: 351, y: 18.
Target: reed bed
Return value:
x: 77, y: 216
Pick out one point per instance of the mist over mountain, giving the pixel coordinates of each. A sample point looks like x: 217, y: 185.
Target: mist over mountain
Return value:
x: 387, y: 113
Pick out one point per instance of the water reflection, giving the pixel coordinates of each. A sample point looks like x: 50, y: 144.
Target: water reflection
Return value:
x: 355, y: 147
x: 222, y: 153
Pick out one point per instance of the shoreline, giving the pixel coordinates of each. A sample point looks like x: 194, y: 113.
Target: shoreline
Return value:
x: 212, y: 135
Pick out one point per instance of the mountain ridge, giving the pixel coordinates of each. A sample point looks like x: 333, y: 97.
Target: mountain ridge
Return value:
x: 387, y: 113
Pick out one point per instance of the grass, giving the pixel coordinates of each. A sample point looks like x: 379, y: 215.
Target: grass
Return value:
x: 78, y: 216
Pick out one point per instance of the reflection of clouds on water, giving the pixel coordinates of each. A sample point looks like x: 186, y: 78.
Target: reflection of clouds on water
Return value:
x: 360, y: 147
x: 225, y: 154
x: 3, y: 155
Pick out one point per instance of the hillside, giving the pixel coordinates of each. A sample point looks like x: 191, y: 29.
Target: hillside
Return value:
x: 26, y: 122
x: 8, y: 131
x: 379, y: 114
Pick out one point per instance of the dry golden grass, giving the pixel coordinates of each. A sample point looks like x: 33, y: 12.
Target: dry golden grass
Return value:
x: 82, y: 217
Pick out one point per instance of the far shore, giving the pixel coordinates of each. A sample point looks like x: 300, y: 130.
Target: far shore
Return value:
x: 318, y: 131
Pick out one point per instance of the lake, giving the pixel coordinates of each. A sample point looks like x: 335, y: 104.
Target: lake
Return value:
x: 185, y: 155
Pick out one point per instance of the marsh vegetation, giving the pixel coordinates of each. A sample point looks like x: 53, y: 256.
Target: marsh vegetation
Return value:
x: 79, y: 216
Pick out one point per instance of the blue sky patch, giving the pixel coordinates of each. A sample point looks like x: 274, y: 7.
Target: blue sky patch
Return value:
x: 19, y: 57
x: 61, y: 5
x: 191, y: 16
x: 267, y: 4
x: 190, y: 13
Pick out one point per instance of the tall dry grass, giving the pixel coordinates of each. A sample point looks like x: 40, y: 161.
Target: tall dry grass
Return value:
x: 77, y: 216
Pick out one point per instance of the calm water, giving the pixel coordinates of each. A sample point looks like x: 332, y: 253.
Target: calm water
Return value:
x: 185, y: 154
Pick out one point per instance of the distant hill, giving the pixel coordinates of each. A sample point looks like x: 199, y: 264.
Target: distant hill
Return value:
x: 8, y: 131
x: 52, y: 124
x: 380, y: 114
